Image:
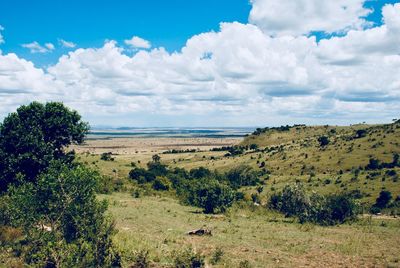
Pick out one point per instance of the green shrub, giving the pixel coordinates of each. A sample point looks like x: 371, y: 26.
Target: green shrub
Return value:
x: 106, y: 157
x: 141, y: 175
x: 141, y: 259
x: 323, y: 141
x: 217, y: 256
x: 242, y: 176
x: 63, y: 223
x: 382, y: 202
x: 188, y: 258
x: 210, y: 194
x: 315, y: 208
x: 161, y: 184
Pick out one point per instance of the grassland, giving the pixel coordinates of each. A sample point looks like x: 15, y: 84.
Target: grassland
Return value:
x: 159, y: 224
x: 288, y: 156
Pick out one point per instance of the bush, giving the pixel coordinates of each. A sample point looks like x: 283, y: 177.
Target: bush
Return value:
x: 323, y: 210
x: 63, y: 223
x: 157, y: 169
x: 188, y: 258
x: 141, y: 175
x: 217, y: 256
x: 199, y: 173
x: 383, y: 200
x: 106, y: 157
x: 210, y: 194
x: 323, y: 141
x: 141, y: 260
x: 161, y: 184
x: 242, y: 176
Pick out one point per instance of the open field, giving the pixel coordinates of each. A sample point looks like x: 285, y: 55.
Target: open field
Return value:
x: 265, y: 239
x: 157, y: 222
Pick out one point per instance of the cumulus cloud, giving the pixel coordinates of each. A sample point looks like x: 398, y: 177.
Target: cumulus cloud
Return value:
x: 35, y: 47
x: 137, y: 42
x: 67, y: 44
x: 239, y: 75
x: 288, y: 17
x: 1, y: 36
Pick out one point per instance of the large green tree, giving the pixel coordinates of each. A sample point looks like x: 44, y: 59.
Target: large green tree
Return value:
x: 35, y: 135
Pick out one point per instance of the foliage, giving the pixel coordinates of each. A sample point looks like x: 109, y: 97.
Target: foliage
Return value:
x: 161, y: 184
x: 63, y: 222
x: 242, y: 176
x: 217, y: 256
x: 34, y: 136
x: 188, y: 258
x: 323, y: 141
x: 323, y: 210
x: 141, y: 260
x: 107, y: 157
x: 141, y: 175
x: 383, y: 200
x: 211, y: 195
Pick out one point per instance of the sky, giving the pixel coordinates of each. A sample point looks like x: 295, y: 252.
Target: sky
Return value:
x: 180, y: 63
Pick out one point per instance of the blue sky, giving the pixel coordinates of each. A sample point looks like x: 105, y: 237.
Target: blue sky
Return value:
x: 88, y: 23
x: 204, y: 63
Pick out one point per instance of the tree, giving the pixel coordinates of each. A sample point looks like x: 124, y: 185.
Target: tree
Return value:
x: 34, y: 136
x: 211, y: 195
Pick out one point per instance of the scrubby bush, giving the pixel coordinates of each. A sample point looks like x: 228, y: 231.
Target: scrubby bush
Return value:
x: 217, y: 256
x: 141, y: 175
x: 242, y: 176
x: 293, y: 200
x: 211, y: 195
x: 199, y: 173
x: 188, y: 258
x: 157, y: 169
x: 141, y: 259
x: 63, y: 223
x: 161, y: 184
x: 107, y: 156
x: 323, y: 141
x: 384, y: 198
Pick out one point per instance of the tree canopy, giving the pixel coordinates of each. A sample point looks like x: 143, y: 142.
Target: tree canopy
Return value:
x: 35, y: 135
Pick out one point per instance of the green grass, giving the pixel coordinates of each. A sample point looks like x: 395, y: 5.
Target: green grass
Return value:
x: 264, y: 238
x: 301, y: 158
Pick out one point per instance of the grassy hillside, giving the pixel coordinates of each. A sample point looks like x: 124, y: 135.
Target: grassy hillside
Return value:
x: 253, y: 236
x: 295, y: 154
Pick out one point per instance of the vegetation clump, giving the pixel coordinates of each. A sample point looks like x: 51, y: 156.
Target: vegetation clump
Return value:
x: 49, y: 197
x: 294, y: 201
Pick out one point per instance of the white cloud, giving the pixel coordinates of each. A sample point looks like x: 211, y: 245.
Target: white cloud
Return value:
x: 280, y: 17
x: 1, y: 36
x: 238, y: 75
x: 137, y: 42
x: 67, y: 44
x: 35, y: 47
x: 49, y: 46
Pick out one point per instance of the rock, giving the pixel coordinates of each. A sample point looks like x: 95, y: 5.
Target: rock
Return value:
x: 200, y: 232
